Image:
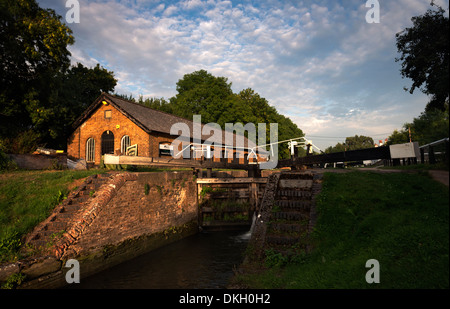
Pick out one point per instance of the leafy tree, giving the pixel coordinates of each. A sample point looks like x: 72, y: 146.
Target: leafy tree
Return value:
x: 430, y: 126
x: 256, y: 109
x: 424, y: 50
x: 200, y: 93
x: 33, y: 45
x: 399, y: 137
x: 33, y: 51
x: 352, y: 143
x: 40, y: 94
x: 158, y: 104
x: 358, y: 142
x: 339, y: 147
x: 77, y: 89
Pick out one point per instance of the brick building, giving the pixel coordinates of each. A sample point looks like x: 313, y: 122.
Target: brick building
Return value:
x: 111, y: 124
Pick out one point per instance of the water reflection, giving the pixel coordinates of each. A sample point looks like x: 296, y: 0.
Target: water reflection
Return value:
x: 205, y: 260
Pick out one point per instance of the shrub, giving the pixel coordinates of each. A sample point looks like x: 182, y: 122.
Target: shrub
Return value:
x: 6, y: 163
x: 22, y: 143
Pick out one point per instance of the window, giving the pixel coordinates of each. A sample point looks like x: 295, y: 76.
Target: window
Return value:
x: 90, y: 150
x: 165, y: 149
x: 124, y: 143
x: 108, y: 114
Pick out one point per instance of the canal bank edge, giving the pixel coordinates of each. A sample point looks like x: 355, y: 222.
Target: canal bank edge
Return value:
x: 48, y: 272
x: 129, y: 215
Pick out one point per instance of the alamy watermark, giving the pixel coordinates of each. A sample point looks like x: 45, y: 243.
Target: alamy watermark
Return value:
x: 73, y: 12
x: 73, y: 274
x: 225, y: 144
x: 373, y: 14
x: 373, y: 274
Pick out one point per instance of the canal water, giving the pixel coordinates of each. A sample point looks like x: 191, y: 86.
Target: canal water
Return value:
x: 201, y: 261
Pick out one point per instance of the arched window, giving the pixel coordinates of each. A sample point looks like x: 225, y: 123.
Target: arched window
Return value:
x: 124, y: 143
x: 90, y: 150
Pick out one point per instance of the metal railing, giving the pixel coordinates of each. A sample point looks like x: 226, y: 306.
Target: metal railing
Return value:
x: 431, y: 154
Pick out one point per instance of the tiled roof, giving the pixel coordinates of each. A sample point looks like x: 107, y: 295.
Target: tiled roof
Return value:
x: 153, y: 120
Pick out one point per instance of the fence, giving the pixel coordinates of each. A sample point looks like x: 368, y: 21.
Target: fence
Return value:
x: 433, y: 156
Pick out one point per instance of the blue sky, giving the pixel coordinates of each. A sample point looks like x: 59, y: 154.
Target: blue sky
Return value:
x: 318, y: 62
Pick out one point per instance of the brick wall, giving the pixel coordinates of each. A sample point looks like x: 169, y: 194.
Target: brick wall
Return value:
x: 171, y: 201
x: 155, y: 139
x: 94, y: 127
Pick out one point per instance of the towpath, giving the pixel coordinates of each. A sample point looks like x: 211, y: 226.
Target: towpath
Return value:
x: 438, y: 175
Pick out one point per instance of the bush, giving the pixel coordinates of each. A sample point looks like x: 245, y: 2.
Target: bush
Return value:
x: 275, y: 259
x: 23, y: 143
x: 9, y: 244
x: 6, y: 163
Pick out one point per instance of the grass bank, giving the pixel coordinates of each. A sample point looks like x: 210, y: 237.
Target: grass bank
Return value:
x: 399, y: 219
x: 438, y: 166
x: 27, y: 198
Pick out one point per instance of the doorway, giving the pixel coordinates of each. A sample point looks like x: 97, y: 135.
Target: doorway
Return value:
x: 107, y: 142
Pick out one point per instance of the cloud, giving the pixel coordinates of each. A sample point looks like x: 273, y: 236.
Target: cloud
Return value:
x: 317, y: 62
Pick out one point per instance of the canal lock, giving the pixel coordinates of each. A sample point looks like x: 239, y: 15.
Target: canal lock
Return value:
x: 228, y: 204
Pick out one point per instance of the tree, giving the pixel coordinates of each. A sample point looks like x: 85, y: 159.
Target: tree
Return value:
x: 200, y: 93
x: 33, y: 52
x: 399, y: 137
x: 78, y: 88
x: 424, y: 50
x: 358, y: 142
x: 430, y: 126
x: 33, y: 45
x: 157, y: 103
x: 40, y: 94
x: 339, y: 147
x: 352, y: 143
x: 253, y: 108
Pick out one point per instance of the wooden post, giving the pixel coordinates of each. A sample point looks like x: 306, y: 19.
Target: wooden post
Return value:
x: 251, y: 172
x: 199, y: 212
x: 253, y: 196
x: 308, y: 148
x: 208, y: 172
x: 431, y: 157
x: 254, y: 171
x: 422, y: 155
x: 446, y: 152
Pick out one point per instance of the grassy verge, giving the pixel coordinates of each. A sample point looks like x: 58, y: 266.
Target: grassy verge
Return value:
x: 399, y: 219
x: 438, y: 166
x: 27, y: 198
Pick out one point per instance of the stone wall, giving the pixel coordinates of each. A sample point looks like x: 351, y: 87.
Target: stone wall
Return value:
x: 150, y: 203
x: 38, y: 161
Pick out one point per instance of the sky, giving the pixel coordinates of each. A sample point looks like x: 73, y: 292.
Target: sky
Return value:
x: 320, y: 63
